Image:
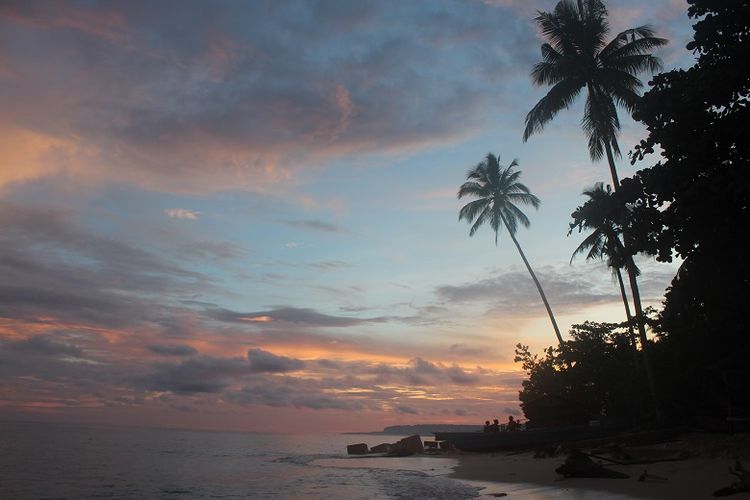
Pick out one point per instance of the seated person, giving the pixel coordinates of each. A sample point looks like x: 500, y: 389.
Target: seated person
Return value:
x: 512, y: 425
x: 486, y: 426
x: 495, y: 427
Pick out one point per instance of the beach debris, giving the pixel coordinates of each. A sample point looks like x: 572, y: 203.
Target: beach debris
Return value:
x: 578, y: 464
x: 547, y: 451
x: 357, y: 449
x: 646, y: 476
x: 743, y: 485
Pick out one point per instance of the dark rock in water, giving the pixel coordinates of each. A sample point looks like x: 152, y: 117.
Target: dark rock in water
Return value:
x: 411, y: 443
x: 357, y: 449
x: 580, y: 465
x: 400, y: 452
x: 381, y: 448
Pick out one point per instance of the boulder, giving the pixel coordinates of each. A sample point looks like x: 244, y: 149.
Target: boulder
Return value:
x: 381, y: 448
x: 412, y: 444
x: 357, y: 449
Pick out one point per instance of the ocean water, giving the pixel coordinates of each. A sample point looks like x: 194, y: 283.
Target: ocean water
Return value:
x: 60, y: 461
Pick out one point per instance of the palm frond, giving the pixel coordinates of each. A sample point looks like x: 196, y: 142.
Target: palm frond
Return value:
x: 471, y: 188
x: 600, y: 123
x: 470, y: 211
x: 497, y: 190
x: 516, y: 215
x: 480, y: 221
x: 624, y: 92
x: 559, y: 97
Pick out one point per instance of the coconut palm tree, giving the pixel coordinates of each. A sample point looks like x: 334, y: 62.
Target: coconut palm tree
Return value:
x: 498, y: 193
x: 601, y: 215
x: 577, y: 56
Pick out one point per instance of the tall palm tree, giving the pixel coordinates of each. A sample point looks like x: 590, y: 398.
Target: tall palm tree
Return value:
x: 577, y: 56
x: 601, y: 216
x: 498, y: 192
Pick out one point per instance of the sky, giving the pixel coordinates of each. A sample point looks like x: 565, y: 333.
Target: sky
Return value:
x: 243, y: 215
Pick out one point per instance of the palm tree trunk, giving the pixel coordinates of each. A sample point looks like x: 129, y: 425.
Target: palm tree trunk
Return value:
x: 538, y: 286
x: 612, y: 168
x: 640, y: 323
x: 644, y: 340
x: 631, y: 333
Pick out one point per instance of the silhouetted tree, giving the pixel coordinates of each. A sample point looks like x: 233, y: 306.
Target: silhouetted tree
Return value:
x: 498, y: 194
x: 694, y: 203
x: 577, y: 56
x: 601, y: 214
x: 588, y: 376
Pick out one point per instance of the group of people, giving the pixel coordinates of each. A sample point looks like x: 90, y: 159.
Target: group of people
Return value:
x: 512, y: 425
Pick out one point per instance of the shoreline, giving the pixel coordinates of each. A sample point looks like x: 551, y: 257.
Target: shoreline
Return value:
x: 521, y: 475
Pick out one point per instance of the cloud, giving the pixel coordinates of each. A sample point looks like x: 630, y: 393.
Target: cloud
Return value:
x: 51, y: 267
x: 300, y: 316
x: 213, y: 250
x: 406, y: 409
x: 182, y: 213
x: 291, y: 393
x: 314, y: 225
x: 203, y: 374
x: 45, y: 346
x: 232, y: 103
x: 513, y: 291
x: 173, y: 349
x: 266, y: 362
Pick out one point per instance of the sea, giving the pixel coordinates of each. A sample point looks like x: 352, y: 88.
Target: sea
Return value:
x: 64, y: 461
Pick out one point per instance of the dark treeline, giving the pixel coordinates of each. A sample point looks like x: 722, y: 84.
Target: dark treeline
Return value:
x: 691, y: 204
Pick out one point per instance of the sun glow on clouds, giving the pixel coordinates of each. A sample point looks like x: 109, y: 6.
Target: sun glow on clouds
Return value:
x: 383, y: 311
x: 182, y: 213
x: 257, y: 319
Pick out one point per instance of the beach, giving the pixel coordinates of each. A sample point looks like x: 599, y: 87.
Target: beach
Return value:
x: 703, y: 471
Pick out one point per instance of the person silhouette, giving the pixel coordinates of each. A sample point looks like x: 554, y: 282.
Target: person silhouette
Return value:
x: 495, y: 427
x: 512, y: 425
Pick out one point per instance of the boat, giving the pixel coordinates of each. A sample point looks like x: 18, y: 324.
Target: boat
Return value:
x: 525, y: 439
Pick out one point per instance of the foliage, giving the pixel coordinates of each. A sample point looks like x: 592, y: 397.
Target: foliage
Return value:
x: 577, y: 56
x: 590, y: 372
x: 498, y: 194
x: 694, y: 203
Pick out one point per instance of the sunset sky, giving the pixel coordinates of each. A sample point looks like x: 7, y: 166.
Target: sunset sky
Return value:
x: 243, y: 215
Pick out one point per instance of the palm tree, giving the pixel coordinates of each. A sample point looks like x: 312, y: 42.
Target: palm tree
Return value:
x: 601, y: 215
x: 498, y: 192
x: 577, y: 57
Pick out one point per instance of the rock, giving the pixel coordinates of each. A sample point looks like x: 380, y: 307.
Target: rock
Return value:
x: 580, y: 465
x: 357, y: 449
x: 411, y: 443
x: 400, y: 452
x: 381, y: 448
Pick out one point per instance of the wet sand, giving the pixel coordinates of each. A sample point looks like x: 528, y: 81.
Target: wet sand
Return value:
x: 697, y: 477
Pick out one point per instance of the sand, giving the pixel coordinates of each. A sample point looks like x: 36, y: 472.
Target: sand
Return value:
x: 704, y: 471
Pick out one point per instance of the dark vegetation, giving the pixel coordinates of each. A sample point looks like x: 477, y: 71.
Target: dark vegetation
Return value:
x: 692, y: 204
